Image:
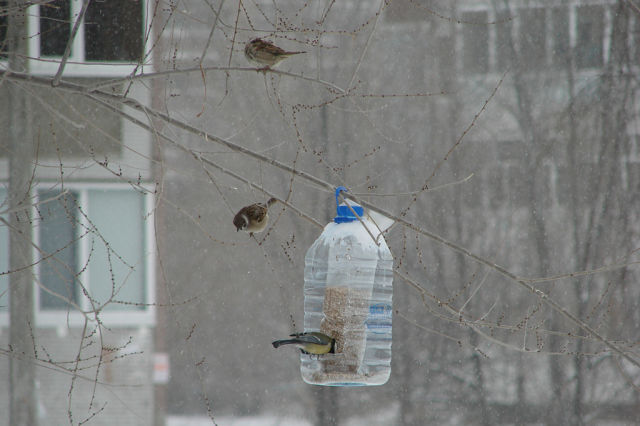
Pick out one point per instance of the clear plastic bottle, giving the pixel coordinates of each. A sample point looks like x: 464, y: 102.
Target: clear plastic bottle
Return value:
x: 348, y: 296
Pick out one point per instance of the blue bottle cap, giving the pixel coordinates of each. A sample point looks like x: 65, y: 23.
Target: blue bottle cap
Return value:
x: 344, y: 213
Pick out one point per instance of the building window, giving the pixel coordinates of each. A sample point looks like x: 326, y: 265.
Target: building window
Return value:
x: 634, y: 151
x: 635, y: 38
x: 589, y: 36
x: 117, y: 266
x: 539, y: 36
x: 504, y: 40
x: 111, y: 30
x: 532, y: 38
x: 56, y: 233
x: 475, y: 39
x: 93, y: 250
x: 3, y: 30
x: 55, y: 27
x: 560, y: 36
x: 104, y: 44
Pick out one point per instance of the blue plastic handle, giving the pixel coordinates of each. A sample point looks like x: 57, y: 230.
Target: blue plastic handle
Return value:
x: 338, y: 190
x: 344, y: 213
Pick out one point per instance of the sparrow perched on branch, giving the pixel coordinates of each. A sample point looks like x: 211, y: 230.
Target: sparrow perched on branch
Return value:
x: 265, y: 54
x: 314, y: 343
x: 253, y: 218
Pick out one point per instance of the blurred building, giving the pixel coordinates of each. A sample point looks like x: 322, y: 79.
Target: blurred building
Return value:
x: 92, y: 220
x: 561, y: 59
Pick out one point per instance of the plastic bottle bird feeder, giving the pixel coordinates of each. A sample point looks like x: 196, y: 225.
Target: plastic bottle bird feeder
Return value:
x: 348, y: 292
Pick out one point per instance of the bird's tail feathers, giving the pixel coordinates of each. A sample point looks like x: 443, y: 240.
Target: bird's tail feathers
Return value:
x: 279, y: 343
x: 271, y: 201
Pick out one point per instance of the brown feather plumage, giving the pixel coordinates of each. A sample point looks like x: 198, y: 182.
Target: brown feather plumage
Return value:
x: 253, y: 218
x: 265, y: 53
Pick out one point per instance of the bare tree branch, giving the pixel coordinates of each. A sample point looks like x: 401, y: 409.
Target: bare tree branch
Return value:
x: 67, y: 49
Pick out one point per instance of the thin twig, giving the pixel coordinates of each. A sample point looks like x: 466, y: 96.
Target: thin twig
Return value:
x: 400, y: 194
x: 635, y: 6
x: 366, y: 45
x: 328, y: 187
x: 255, y: 186
x: 577, y: 274
x: 67, y: 49
x: 158, y: 74
x: 467, y: 129
x: 375, y: 240
x: 198, y: 156
x: 455, y: 247
x: 39, y: 202
x: 213, y: 28
x: 473, y: 293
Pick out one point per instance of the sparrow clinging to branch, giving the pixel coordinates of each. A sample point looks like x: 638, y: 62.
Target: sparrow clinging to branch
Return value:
x: 253, y: 218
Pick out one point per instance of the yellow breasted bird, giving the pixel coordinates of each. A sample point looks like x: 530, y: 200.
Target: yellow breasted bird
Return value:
x: 314, y: 343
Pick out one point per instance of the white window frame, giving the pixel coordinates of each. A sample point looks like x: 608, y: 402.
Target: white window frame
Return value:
x: 111, y: 318
x: 76, y: 65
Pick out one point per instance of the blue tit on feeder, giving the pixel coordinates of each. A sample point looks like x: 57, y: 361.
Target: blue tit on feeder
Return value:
x: 314, y: 343
x: 348, y: 291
